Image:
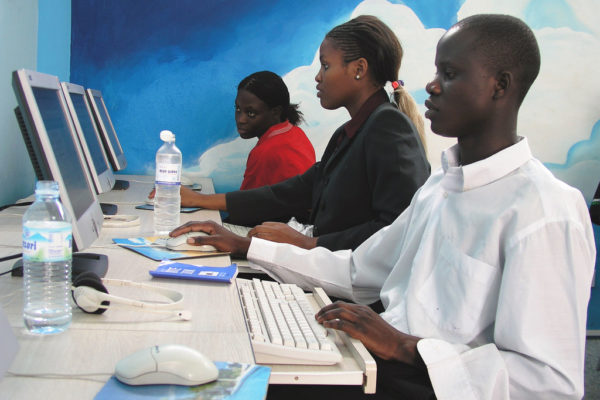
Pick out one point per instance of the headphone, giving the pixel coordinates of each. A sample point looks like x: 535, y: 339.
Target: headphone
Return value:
x: 91, y: 296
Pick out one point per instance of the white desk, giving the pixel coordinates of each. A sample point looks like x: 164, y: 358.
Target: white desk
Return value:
x: 94, y: 343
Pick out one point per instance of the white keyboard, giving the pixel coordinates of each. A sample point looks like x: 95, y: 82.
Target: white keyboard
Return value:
x: 239, y: 230
x: 282, y: 325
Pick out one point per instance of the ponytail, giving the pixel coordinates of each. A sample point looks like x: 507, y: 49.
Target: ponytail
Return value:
x: 408, y: 106
x: 293, y: 114
x: 367, y: 36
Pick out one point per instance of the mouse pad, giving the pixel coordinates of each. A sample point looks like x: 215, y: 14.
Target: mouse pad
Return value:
x: 148, y: 247
x: 235, y: 382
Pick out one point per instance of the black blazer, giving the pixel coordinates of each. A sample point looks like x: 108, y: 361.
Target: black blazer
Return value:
x: 358, y: 187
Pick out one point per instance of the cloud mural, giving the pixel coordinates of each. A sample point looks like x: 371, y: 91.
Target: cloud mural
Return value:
x: 185, y: 81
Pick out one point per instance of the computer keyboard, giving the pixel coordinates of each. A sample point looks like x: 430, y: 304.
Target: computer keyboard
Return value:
x: 282, y: 325
x: 239, y: 230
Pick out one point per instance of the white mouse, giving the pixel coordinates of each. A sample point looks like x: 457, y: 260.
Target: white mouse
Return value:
x: 169, y: 364
x: 179, y: 243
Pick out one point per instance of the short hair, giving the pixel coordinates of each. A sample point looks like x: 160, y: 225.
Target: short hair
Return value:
x: 507, y: 44
x: 271, y: 89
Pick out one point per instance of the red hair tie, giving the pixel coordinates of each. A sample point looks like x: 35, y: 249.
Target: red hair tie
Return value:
x: 397, y: 83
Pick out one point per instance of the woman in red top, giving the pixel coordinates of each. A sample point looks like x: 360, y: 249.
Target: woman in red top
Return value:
x: 263, y: 110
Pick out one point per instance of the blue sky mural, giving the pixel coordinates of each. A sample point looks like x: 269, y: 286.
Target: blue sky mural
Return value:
x: 176, y: 65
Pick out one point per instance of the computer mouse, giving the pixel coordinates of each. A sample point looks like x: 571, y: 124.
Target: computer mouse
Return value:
x: 179, y: 243
x: 168, y: 364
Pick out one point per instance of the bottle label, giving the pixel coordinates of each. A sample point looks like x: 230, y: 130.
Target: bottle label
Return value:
x: 168, y: 174
x: 47, y: 244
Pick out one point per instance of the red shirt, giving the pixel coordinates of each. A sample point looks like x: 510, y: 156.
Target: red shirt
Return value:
x: 282, y: 152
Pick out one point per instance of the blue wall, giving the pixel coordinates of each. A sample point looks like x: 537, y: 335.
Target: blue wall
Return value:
x: 54, y: 38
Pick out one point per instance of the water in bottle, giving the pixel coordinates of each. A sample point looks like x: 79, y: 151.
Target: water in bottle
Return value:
x: 47, y: 252
x: 167, y: 198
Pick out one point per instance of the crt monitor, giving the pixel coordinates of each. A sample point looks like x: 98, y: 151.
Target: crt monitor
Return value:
x: 107, y: 130
x: 50, y: 139
x: 89, y: 138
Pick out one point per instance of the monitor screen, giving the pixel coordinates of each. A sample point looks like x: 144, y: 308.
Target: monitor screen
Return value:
x: 107, y: 130
x: 89, y: 138
x: 50, y: 138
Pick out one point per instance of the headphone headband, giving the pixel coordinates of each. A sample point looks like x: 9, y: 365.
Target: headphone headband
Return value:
x: 91, y: 296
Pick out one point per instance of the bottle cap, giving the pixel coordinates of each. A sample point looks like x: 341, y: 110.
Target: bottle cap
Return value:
x: 167, y: 136
x: 47, y: 188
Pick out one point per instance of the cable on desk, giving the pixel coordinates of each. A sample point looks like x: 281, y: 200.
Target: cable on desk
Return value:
x: 26, y: 203
x: 136, y: 181
x: 81, y: 377
x: 129, y: 203
x: 11, y: 257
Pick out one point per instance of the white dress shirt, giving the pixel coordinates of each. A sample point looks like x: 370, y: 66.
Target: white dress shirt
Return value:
x: 491, y: 265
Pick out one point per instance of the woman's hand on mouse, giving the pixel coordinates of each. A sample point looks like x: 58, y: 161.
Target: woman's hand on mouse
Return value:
x: 282, y: 233
x: 218, y: 237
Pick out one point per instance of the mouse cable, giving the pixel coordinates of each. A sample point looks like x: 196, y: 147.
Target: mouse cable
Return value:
x: 139, y: 181
x: 27, y: 203
x: 10, y: 258
x: 128, y: 203
x: 82, y: 377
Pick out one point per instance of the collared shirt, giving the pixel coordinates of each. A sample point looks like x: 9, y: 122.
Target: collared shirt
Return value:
x: 491, y: 265
x: 280, y: 153
x: 365, y: 111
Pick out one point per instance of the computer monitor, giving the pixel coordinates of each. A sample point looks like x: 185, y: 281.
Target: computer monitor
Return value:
x: 107, y: 130
x: 51, y: 141
x: 89, y: 138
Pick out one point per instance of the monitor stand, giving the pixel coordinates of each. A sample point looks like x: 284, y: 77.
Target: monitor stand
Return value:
x: 120, y: 185
x: 96, y: 263
x: 108, y: 209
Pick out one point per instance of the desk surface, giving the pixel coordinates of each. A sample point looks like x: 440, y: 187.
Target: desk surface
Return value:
x: 94, y: 343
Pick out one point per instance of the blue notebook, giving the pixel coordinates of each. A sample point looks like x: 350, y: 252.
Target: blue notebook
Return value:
x: 235, y: 382
x: 148, y: 247
x: 178, y: 270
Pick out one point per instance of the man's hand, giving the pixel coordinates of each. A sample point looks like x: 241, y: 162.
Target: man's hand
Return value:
x: 282, y: 233
x: 219, y: 237
x: 364, y: 324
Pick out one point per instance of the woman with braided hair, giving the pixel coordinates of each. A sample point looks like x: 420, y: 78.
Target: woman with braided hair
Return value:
x: 371, y: 167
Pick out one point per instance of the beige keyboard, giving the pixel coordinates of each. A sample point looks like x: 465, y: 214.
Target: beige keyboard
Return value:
x: 282, y: 325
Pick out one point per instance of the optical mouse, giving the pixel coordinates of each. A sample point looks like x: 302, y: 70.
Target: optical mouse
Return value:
x: 168, y: 364
x: 179, y: 243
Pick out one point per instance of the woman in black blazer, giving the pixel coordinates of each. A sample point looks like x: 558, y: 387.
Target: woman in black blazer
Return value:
x: 371, y: 167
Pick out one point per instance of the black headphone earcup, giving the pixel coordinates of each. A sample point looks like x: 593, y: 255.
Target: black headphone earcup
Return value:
x: 93, y: 281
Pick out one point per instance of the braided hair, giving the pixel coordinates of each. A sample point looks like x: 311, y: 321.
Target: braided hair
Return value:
x: 367, y: 37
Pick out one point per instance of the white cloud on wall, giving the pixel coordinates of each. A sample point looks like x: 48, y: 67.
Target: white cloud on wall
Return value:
x: 561, y: 108
x: 559, y: 111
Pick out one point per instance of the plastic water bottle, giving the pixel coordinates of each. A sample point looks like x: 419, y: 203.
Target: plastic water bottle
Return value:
x: 47, y: 253
x: 167, y: 198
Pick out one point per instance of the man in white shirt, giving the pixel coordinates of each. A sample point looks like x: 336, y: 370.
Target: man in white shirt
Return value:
x: 485, y: 277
